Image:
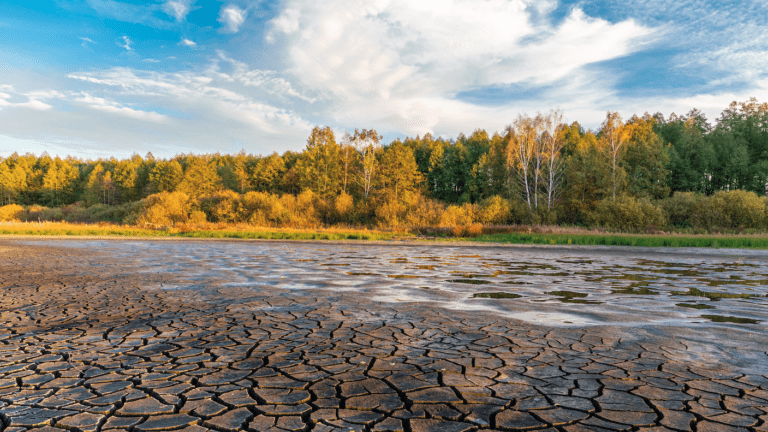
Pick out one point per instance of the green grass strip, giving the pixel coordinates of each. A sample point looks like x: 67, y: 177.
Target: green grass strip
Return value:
x: 626, y: 240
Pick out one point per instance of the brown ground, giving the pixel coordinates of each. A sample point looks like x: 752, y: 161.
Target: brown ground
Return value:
x: 88, y: 342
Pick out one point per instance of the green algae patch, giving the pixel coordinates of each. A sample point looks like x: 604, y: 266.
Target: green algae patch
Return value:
x: 470, y: 281
x: 572, y: 297
x: 730, y: 319
x: 496, y: 295
x: 695, y: 306
x: 695, y: 292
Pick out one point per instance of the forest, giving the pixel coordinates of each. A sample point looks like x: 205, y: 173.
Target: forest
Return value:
x: 646, y: 174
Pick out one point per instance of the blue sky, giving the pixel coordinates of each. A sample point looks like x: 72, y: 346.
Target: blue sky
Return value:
x: 100, y: 78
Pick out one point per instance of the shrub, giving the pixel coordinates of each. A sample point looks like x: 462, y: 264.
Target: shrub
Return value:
x: 458, y: 215
x: 391, y: 213
x: 222, y: 206
x: 680, y: 208
x: 343, y: 206
x: 35, y: 213
x: 197, y: 217
x: 494, y: 210
x: 520, y: 214
x: 423, y: 211
x: 626, y: 213
x: 165, y: 209
x: 729, y: 209
x: 11, y: 212
x: 744, y: 209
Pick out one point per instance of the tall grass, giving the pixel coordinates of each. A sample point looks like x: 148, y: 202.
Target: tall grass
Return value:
x: 213, y: 231
x: 708, y: 241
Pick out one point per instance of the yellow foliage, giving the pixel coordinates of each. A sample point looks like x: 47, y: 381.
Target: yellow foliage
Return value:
x: 197, y: 217
x: 11, y: 212
x: 458, y: 215
x: 165, y: 209
x: 343, y: 205
x: 423, y: 211
x: 494, y: 210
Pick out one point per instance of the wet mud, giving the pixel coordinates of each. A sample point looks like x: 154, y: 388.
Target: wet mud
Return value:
x: 291, y: 336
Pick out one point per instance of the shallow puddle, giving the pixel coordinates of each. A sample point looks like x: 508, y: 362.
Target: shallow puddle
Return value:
x: 620, y: 286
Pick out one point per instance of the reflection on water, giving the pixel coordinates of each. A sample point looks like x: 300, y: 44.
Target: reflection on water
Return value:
x: 565, y: 285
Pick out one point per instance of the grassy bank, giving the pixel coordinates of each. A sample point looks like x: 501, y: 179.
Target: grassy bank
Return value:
x: 232, y: 232
x: 214, y: 231
x: 647, y: 240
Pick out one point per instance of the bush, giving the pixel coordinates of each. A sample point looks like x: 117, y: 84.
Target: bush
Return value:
x: 741, y: 209
x: 343, y: 206
x: 494, y: 210
x: 197, y: 217
x: 626, y: 213
x: 11, y: 212
x: 680, y: 208
x: 423, y: 211
x: 223, y: 206
x: 391, y: 213
x: 520, y: 214
x: 165, y: 209
x: 35, y: 213
x: 458, y: 215
x: 735, y: 209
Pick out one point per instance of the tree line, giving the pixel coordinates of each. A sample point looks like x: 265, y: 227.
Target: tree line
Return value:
x: 538, y: 170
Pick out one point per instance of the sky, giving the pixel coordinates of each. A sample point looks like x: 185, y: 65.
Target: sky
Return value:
x: 103, y: 78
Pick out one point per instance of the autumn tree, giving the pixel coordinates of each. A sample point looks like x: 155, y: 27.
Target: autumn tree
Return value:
x: 368, y: 145
x: 318, y: 167
x: 613, y: 136
x: 13, y: 180
x: 523, y: 147
x: 551, y: 148
x: 100, y: 189
x: 399, y: 172
x: 165, y: 176
x: 200, y: 177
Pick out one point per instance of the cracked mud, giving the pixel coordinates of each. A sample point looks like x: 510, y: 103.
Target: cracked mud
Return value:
x: 270, y: 336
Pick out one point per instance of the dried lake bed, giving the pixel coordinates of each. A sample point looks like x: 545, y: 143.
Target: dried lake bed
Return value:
x: 261, y: 335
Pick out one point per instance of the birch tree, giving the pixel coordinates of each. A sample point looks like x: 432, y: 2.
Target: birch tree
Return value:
x: 368, y: 144
x: 524, y: 134
x: 552, y: 144
x: 613, y: 136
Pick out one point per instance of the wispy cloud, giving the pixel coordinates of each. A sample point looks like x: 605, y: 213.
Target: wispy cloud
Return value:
x: 126, y: 43
x: 145, y: 13
x: 177, y: 9
x: 187, y: 42
x: 113, y: 107
x: 86, y: 41
x: 231, y: 17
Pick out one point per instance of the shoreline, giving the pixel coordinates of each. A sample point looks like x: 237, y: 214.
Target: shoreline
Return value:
x: 710, y: 251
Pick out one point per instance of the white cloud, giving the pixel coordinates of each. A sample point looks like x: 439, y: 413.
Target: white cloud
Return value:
x: 113, y: 107
x: 231, y: 17
x: 86, y: 41
x: 151, y: 60
x: 386, y: 64
x: 144, y: 13
x: 187, y: 42
x: 177, y: 8
x: 126, y: 43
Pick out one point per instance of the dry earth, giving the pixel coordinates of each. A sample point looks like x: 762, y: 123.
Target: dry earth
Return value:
x: 195, y: 336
